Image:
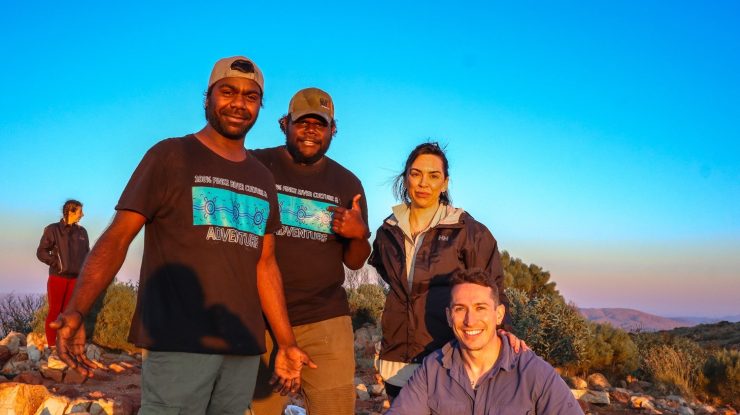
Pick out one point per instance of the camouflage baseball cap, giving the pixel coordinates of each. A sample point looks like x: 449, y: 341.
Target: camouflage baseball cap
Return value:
x: 311, y: 101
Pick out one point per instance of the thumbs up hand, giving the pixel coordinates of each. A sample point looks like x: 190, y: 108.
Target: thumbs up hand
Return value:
x: 348, y: 223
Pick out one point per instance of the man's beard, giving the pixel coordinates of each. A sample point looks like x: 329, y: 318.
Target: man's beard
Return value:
x: 215, y: 122
x: 299, y: 158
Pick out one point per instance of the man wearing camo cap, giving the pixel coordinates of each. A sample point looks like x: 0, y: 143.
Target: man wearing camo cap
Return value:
x: 324, y: 217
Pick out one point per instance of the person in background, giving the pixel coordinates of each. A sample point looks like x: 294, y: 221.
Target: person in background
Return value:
x: 416, y: 250
x: 478, y: 372
x: 63, y: 247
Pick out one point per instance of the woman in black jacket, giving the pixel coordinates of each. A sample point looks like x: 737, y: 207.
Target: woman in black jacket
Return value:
x: 416, y: 251
x: 63, y: 247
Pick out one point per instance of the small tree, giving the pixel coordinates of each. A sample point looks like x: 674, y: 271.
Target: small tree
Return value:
x: 17, y: 312
x: 553, y: 329
x: 609, y: 350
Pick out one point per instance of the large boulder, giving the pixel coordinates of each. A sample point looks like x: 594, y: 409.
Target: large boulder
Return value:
x: 21, y: 399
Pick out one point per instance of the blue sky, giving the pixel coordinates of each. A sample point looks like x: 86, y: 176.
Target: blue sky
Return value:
x: 599, y: 140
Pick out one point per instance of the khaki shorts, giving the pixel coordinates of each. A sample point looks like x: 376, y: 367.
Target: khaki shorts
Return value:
x: 327, y: 390
x: 194, y: 383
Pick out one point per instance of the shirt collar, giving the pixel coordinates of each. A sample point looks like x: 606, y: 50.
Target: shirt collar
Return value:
x: 451, y: 357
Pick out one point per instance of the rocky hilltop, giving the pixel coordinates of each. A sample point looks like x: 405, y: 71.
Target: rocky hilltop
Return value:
x: 34, y: 382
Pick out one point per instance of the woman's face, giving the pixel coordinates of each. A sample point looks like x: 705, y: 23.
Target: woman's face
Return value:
x: 425, y: 181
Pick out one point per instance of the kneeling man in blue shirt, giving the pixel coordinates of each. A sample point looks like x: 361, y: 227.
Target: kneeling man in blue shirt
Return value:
x: 479, y: 373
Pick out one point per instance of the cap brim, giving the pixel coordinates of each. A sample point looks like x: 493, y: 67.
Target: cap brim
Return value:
x: 298, y: 114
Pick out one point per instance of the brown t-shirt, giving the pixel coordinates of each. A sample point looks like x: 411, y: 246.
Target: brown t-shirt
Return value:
x: 206, y: 218
x: 308, y: 252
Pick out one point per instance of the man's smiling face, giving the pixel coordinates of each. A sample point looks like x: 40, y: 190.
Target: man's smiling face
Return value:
x: 474, y: 315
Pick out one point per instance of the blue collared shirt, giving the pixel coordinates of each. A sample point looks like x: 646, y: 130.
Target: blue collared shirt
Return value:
x: 518, y: 383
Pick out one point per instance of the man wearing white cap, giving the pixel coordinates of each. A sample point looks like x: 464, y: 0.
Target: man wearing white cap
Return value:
x: 208, y: 271
x: 324, y: 217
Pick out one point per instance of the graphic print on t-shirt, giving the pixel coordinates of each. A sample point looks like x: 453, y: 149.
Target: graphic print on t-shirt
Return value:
x: 232, y: 217
x: 305, y: 213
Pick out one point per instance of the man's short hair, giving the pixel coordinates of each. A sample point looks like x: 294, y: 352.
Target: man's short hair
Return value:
x: 476, y: 276
x: 69, y: 206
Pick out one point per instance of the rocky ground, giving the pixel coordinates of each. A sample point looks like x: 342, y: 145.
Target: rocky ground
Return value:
x: 34, y: 382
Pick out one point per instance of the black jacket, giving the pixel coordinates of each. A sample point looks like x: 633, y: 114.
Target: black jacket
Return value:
x: 414, y: 322
x: 63, y: 248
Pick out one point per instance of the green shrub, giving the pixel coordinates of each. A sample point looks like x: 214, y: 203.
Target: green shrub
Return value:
x: 609, y: 350
x: 674, y: 362
x: 114, y: 319
x: 722, y: 371
x: 366, y: 304
x: 555, y: 330
x: 108, y: 322
x: 39, y: 317
x: 17, y: 313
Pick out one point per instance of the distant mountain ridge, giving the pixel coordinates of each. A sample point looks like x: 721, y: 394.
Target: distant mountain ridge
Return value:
x: 632, y: 320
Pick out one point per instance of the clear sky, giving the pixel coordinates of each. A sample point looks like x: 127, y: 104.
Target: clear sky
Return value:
x: 599, y: 140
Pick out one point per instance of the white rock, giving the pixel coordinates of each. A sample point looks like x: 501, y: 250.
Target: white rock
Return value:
x: 13, y: 341
x: 36, y: 339
x: 685, y: 410
x: 577, y: 393
x: 55, y: 362
x: 34, y: 354
x: 79, y: 405
x: 596, y: 397
x: 93, y: 352
x: 53, y: 405
x: 362, y: 393
x: 676, y: 398
x: 376, y: 389
x: 643, y: 402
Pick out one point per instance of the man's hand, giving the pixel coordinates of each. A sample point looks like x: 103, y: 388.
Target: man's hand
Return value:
x: 288, y: 364
x: 348, y: 223
x: 515, y: 342
x: 71, y: 342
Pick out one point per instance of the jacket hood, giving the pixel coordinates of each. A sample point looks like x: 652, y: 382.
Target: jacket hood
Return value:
x: 450, y: 217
